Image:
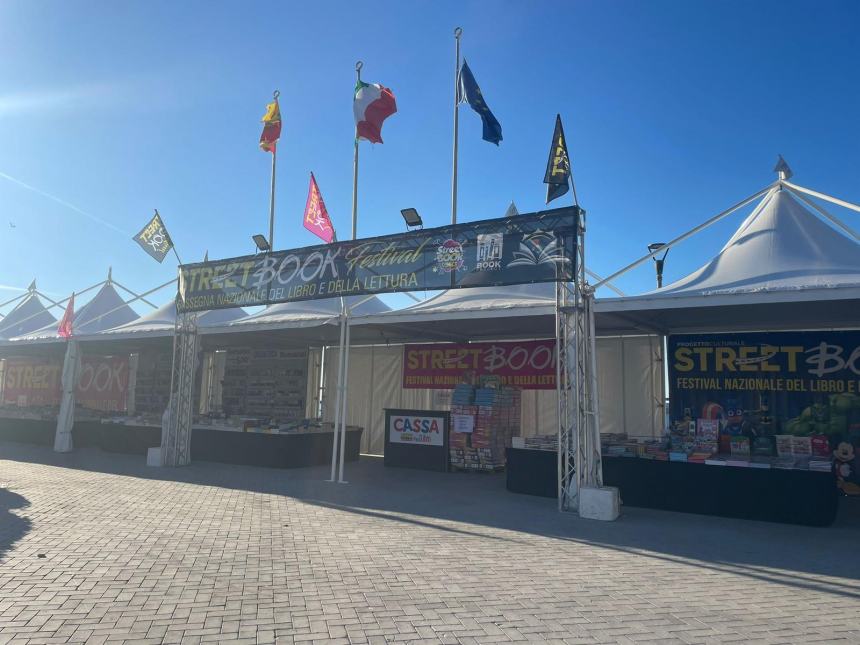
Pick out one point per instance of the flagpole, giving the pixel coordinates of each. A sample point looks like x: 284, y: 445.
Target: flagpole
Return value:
x: 358, y: 67
x: 457, y: 33
x: 343, y: 368
x: 275, y: 95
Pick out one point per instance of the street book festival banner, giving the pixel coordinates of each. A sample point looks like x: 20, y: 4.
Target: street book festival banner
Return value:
x: 528, y: 365
x: 539, y: 247
x: 102, y: 383
x: 801, y: 383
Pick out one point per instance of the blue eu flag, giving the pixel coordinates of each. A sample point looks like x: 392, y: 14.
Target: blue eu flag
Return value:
x: 469, y: 92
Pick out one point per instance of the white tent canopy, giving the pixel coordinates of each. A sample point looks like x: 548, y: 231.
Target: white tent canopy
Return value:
x: 161, y: 322
x: 783, y: 268
x: 107, y: 309
x: 322, y: 315
x: 459, y: 314
x: 28, y: 315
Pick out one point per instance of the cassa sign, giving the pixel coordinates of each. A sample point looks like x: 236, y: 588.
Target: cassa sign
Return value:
x: 420, y: 430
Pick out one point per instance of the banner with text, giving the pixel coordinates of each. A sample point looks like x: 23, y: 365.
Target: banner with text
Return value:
x: 528, y: 365
x: 102, y: 383
x: 790, y: 382
x: 540, y: 247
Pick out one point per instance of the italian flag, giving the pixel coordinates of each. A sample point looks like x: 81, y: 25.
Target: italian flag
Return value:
x: 371, y: 106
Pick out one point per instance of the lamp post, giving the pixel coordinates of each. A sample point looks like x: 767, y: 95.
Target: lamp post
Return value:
x: 658, y: 261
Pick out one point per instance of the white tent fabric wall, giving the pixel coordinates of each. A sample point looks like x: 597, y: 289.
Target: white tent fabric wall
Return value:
x: 375, y: 378
x: 630, y: 383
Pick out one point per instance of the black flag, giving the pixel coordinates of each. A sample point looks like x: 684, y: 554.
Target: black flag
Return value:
x: 558, y: 165
x: 154, y: 238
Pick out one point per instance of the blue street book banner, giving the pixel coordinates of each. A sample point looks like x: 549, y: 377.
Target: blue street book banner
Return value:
x: 799, y: 383
x: 532, y: 248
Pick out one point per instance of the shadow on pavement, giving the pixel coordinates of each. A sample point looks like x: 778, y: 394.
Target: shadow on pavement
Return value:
x: 12, y: 527
x: 479, y: 505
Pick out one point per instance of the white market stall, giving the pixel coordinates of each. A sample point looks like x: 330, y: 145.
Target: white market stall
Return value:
x: 760, y: 345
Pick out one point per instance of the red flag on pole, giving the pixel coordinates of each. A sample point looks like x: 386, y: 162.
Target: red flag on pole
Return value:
x: 65, y: 328
x: 316, y: 218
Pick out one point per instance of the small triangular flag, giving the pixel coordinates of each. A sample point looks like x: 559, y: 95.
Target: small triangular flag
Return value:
x: 782, y: 167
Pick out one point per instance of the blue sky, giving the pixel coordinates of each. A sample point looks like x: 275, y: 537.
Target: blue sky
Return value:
x: 673, y: 111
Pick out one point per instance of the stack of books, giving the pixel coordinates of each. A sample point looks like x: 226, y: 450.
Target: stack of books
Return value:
x: 463, y: 394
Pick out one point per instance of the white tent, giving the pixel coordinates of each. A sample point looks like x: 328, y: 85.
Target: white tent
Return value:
x: 161, y: 322
x: 28, y: 315
x: 784, y: 268
x: 107, y: 309
x: 627, y: 366
x: 520, y: 311
x: 319, y: 318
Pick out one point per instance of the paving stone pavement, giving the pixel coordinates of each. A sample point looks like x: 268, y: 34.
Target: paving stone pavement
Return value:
x: 98, y: 548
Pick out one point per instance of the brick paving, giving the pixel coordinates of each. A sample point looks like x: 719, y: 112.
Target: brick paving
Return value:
x: 99, y: 548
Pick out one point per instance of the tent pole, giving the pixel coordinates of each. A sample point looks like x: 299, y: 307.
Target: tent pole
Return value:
x: 340, y: 479
x: 338, y: 393
x: 815, y: 193
x: 15, y: 299
x: 833, y: 219
x: 136, y: 296
x: 322, y: 384
x: 685, y: 236
x: 592, y: 274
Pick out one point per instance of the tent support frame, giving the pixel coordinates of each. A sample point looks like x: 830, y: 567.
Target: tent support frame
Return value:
x: 579, y: 462
x: 176, y: 440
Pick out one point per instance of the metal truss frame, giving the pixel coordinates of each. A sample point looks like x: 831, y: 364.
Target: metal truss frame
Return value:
x: 176, y: 440
x: 579, y: 462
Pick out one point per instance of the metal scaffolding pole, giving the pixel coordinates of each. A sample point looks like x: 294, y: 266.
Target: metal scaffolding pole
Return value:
x: 176, y: 441
x: 578, y: 422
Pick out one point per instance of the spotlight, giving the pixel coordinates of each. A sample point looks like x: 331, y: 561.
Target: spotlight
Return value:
x: 411, y: 217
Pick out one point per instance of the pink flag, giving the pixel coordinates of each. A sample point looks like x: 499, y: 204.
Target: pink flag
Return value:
x: 65, y: 328
x: 316, y: 217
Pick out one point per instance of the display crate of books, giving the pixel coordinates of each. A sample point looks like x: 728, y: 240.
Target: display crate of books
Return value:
x: 497, y: 415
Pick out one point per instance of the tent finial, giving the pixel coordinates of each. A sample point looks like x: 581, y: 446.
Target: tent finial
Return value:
x: 110, y: 275
x: 782, y: 169
x: 32, y: 287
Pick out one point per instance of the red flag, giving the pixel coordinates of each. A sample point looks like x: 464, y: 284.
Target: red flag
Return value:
x: 316, y: 218
x: 271, y: 126
x: 65, y: 328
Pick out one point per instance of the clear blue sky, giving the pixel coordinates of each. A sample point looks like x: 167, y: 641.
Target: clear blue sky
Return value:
x: 673, y: 111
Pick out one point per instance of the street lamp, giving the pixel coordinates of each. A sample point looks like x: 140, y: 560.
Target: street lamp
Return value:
x: 658, y: 262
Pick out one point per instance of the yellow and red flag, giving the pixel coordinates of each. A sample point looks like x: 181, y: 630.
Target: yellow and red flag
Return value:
x: 316, y: 218
x: 271, y: 127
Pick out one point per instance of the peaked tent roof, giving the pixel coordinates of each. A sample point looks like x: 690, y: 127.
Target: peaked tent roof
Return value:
x: 784, y: 246
x: 306, y: 313
x: 782, y: 258
x: 519, y: 311
x: 162, y: 321
x: 28, y: 315
x: 107, y: 309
